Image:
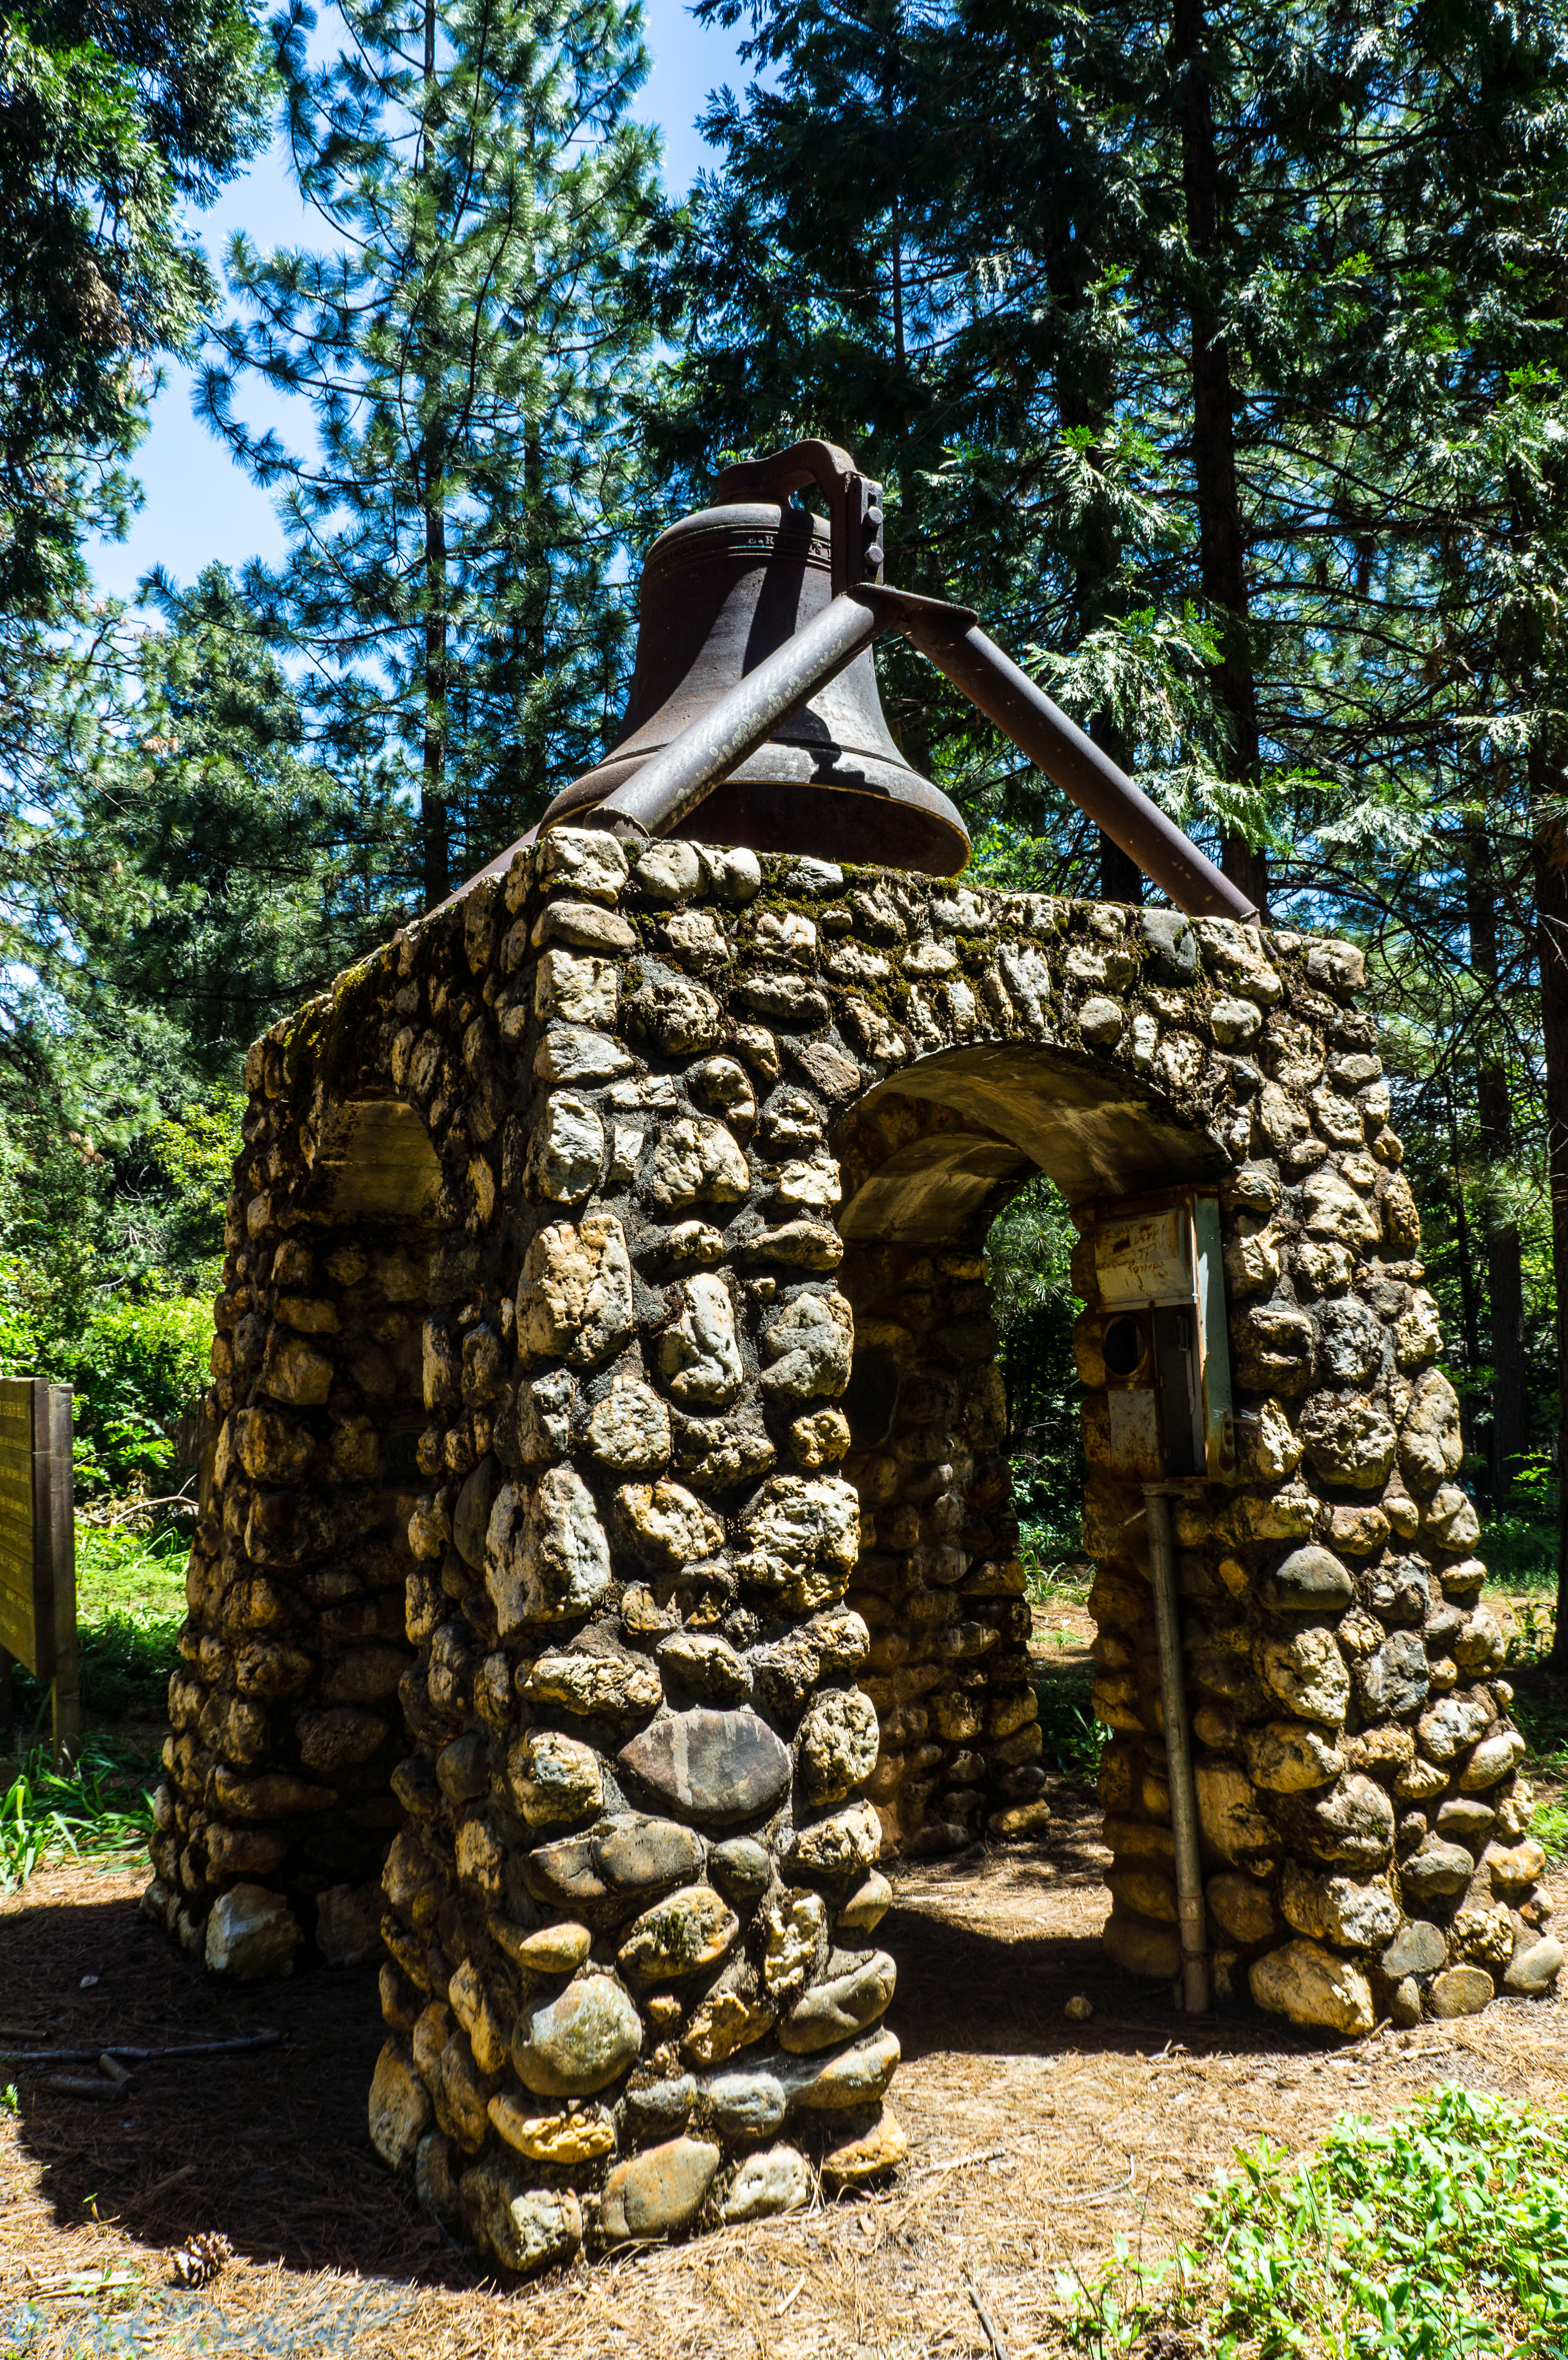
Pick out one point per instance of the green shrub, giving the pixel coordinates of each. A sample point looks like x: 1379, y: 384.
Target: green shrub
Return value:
x: 135, y: 1367
x: 1074, y: 1738
x: 1520, y: 1552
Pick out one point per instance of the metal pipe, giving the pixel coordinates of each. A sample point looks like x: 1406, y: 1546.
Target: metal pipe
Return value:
x: 1179, y: 1748
x: 1009, y: 698
x: 655, y: 799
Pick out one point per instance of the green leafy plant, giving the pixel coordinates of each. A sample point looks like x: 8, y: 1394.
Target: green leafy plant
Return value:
x: 1549, y: 1825
x: 94, y: 1810
x: 1073, y: 1740
x: 1520, y: 1551
x: 1442, y: 2236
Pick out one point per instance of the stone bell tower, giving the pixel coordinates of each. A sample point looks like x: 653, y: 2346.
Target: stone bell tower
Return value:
x: 606, y: 1567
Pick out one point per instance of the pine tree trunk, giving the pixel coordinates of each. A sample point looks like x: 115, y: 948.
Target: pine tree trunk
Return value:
x: 434, y: 820
x: 1083, y: 402
x: 1222, y: 538
x: 1505, y: 1271
x: 1550, y: 858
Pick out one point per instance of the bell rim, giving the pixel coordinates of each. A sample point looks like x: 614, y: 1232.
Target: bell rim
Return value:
x: 938, y: 843
x: 779, y: 763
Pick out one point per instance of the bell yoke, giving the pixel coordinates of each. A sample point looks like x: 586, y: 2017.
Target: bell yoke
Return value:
x: 754, y: 673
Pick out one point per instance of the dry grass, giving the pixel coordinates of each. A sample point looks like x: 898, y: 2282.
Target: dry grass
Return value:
x: 1032, y: 2140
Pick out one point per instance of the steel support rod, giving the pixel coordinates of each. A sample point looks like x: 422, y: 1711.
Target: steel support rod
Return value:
x: 655, y: 800
x: 1058, y: 747
x: 1179, y: 1750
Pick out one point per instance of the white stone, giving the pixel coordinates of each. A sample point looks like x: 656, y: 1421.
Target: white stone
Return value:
x: 629, y: 1429
x: 1100, y: 1022
x: 698, y: 1354
x: 720, y: 1082
x: 1269, y: 1444
x: 697, y: 1161
x: 570, y: 1053
x: 809, y: 1345
x: 778, y: 2180
x: 568, y: 1149
x: 587, y: 858
x: 554, y: 1778
x: 574, y: 1297
x: 667, y: 871
x: 1335, y: 1211
x: 546, y: 1557
x: 811, y: 1183
x: 669, y: 1526
x: 1360, y: 1917
x: 582, y: 924
x: 1431, y: 1448
x: 838, y: 1744
x: 1492, y: 1760
x: 1308, y: 1674
x: 625, y: 1146
x: 251, y: 1934
x: 579, y: 991
x: 1450, y: 1520
x: 805, y: 1533
x: 733, y: 874
x: 1177, y: 1063
x: 1233, y: 1021
x: 1418, y: 1332
x: 1451, y: 1725
x: 540, y: 1424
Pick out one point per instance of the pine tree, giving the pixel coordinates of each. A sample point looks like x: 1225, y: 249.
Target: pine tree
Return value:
x: 926, y: 241
x: 111, y: 116
x: 469, y: 349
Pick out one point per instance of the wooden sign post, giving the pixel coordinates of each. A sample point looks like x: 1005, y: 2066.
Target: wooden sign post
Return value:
x: 37, y: 1551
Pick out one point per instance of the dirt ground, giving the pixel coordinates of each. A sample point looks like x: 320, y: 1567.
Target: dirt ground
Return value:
x: 1033, y: 2139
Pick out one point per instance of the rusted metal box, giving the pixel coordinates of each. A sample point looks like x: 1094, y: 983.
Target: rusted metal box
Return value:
x: 1163, y: 1339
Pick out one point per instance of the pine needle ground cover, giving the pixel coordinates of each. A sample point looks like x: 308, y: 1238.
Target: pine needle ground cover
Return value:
x: 1036, y: 2140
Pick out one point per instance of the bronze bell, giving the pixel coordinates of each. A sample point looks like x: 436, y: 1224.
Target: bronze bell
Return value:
x: 722, y: 590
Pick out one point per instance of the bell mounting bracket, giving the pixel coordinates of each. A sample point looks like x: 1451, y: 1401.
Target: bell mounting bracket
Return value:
x: 853, y: 501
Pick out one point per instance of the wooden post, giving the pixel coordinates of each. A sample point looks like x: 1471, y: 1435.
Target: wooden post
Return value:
x: 37, y: 1549
x: 53, y: 1431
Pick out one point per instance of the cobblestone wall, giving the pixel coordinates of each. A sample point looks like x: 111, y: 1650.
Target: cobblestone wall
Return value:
x: 609, y: 1509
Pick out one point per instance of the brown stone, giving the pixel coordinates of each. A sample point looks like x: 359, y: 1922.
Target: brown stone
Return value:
x: 867, y: 2155
x: 578, y: 2042
x: 689, y: 1930
x: 657, y: 2191
x: 1461, y: 1991
x: 716, y: 1766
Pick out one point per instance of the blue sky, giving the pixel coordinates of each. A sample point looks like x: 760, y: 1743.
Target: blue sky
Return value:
x: 199, y: 505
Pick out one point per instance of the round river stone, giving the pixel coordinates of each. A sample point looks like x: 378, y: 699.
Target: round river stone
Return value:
x: 577, y: 2043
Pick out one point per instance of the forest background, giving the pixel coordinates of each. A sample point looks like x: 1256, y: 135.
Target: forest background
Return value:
x: 1214, y: 354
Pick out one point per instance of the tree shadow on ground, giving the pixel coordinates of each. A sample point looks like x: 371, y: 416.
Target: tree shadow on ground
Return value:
x: 270, y: 2147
